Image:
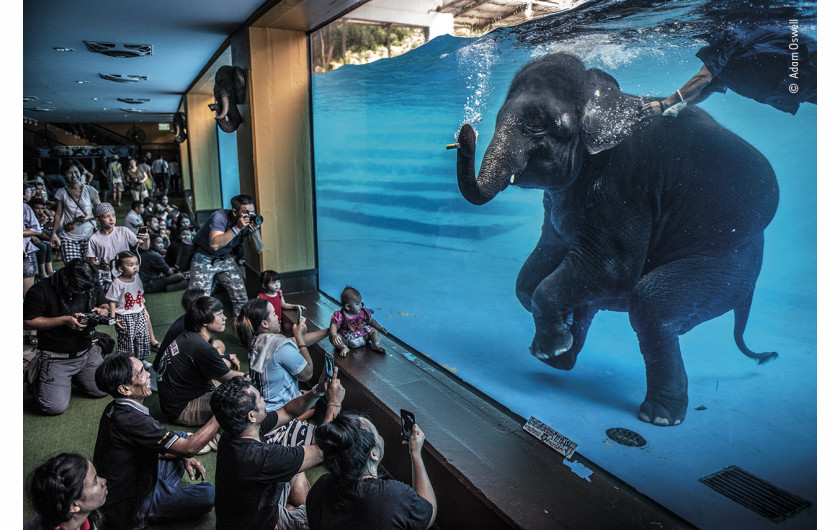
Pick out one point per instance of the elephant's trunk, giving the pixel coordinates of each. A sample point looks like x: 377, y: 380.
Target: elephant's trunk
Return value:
x: 234, y: 119
x: 501, y: 162
x: 220, y: 115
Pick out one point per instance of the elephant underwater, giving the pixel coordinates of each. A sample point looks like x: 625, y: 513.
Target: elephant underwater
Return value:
x: 661, y: 217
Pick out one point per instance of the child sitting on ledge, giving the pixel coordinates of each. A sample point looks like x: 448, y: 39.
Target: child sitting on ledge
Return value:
x: 353, y: 325
x: 270, y: 290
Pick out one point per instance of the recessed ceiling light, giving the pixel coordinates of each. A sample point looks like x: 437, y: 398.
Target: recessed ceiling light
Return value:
x: 134, y: 101
x: 60, y: 49
x: 114, y: 49
x: 124, y: 78
x: 95, y: 99
x: 82, y: 82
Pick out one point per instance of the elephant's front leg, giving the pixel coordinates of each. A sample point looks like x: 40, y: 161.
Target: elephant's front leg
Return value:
x: 563, y: 306
x: 604, y: 264
x: 544, y: 259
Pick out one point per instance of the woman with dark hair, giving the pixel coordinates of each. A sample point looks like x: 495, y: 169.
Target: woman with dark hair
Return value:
x: 351, y: 494
x: 74, y: 220
x: 66, y: 493
x: 277, y: 362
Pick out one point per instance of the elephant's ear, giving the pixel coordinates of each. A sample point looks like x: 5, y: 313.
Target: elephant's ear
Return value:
x: 609, y: 116
x: 239, y: 84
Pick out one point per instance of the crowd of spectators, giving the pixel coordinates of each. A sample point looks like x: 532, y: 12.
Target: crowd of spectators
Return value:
x: 143, y: 472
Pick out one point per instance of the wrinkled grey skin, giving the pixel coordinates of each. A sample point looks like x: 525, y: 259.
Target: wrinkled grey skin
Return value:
x: 229, y: 91
x: 662, y: 218
x: 179, y: 129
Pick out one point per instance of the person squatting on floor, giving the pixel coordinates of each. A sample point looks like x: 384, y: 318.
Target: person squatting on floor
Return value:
x: 255, y: 480
x: 69, y: 351
x: 216, y: 244
x: 142, y: 460
x: 190, y: 364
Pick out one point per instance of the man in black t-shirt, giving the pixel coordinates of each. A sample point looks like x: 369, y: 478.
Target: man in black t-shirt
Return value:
x: 143, y: 487
x: 191, y: 363
x: 187, y: 301
x: 253, y: 478
x: 68, y: 352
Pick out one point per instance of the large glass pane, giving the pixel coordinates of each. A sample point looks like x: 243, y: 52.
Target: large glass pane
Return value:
x: 441, y: 273
x: 228, y: 165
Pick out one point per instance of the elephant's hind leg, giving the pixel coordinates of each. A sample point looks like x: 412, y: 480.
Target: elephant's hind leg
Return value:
x: 671, y: 300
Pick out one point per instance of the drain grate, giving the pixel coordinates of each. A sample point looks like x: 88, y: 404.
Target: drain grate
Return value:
x: 626, y: 437
x: 756, y: 494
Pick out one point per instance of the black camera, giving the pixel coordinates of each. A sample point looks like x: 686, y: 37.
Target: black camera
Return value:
x: 256, y: 218
x: 95, y: 319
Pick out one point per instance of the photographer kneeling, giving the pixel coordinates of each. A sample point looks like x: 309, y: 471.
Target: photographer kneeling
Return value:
x: 64, y: 309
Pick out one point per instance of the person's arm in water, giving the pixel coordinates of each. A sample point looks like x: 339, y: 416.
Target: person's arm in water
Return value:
x: 419, y: 478
x: 691, y: 92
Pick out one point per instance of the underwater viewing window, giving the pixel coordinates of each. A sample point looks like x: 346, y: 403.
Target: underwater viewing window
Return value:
x: 598, y: 234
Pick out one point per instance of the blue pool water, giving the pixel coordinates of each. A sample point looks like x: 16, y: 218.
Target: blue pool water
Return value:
x: 440, y: 273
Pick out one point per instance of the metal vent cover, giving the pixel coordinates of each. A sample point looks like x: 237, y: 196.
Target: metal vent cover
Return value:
x: 756, y: 494
x: 124, y: 78
x: 114, y: 49
x: 626, y: 437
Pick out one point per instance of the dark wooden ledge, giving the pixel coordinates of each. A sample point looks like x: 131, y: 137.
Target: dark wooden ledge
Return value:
x: 487, y: 472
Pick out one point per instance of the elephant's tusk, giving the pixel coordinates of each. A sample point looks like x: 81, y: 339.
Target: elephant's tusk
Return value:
x: 511, y: 178
x: 456, y: 145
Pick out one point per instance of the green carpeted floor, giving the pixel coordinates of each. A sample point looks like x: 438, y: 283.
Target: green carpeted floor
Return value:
x: 75, y: 430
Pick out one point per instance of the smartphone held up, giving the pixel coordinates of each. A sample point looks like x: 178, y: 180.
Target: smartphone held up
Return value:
x: 407, y: 418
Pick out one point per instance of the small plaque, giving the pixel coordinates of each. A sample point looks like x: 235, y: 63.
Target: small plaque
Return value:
x: 550, y: 437
x: 163, y: 126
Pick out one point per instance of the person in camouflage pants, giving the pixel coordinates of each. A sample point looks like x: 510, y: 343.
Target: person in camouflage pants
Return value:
x: 217, y: 243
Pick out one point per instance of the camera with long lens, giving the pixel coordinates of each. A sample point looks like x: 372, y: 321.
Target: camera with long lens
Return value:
x: 256, y: 219
x: 95, y: 319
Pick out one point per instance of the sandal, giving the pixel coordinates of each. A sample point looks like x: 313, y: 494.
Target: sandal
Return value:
x: 377, y: 348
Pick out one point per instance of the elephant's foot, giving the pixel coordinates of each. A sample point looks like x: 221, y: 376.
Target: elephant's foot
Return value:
x: 552, y: 346
x: 664, y: 408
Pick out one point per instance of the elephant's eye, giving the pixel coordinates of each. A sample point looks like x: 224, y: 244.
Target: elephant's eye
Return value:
x: 537, y: 125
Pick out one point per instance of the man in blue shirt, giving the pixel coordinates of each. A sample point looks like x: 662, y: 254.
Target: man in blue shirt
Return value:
x: 216, y: 244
